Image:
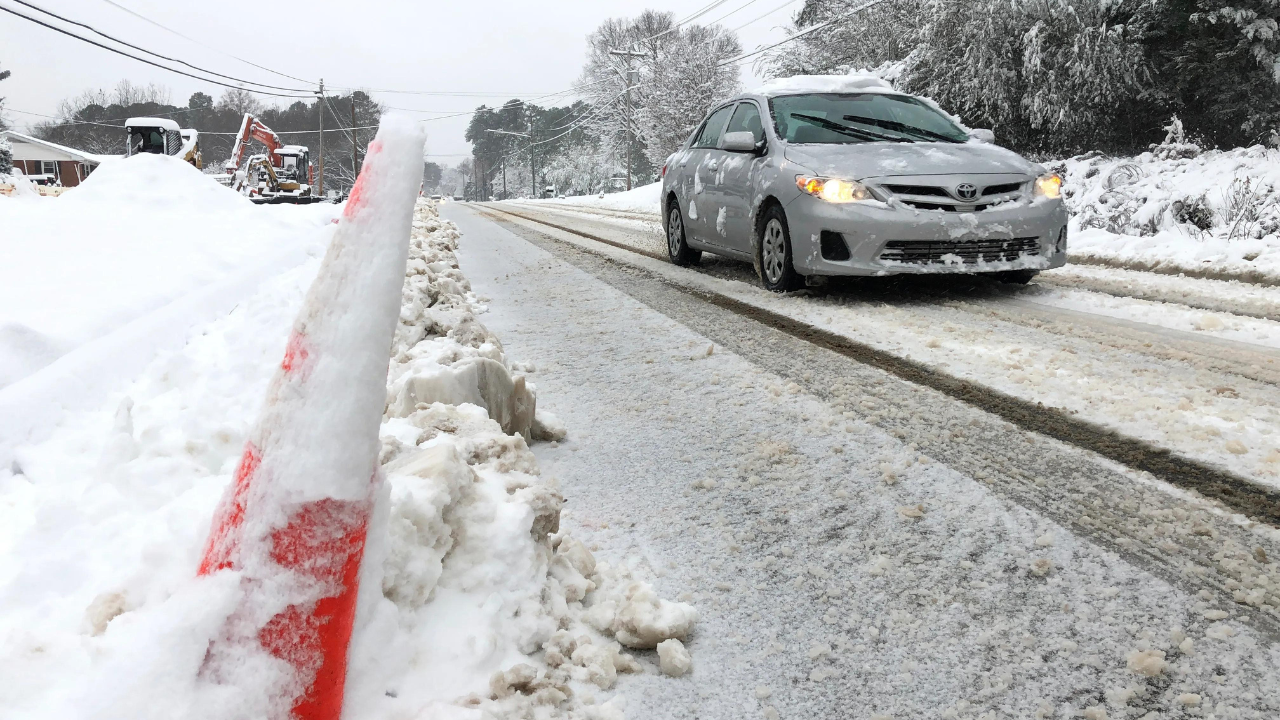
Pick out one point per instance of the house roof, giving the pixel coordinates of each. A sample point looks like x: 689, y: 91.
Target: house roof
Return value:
x: 79, y: 155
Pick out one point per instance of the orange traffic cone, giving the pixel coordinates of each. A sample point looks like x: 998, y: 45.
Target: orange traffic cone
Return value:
x: 294, y: 520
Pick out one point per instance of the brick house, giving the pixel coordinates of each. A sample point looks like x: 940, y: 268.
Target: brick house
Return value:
x: 61, y: 165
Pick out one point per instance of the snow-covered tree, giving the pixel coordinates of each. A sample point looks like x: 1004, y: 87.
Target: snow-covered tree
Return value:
x: 6, y: 157
x: 1062, y: 75
x: 679, y: 76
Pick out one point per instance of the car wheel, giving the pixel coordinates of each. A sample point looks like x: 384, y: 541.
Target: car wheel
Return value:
x: 677, y: 249
x: 1017, y: 277
x: 773, y: 253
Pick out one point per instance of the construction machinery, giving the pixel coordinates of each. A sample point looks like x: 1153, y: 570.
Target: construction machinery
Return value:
x: 283, y: 175
x: 161, y: 136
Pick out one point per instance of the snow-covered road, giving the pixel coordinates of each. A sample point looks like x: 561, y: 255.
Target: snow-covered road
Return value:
x: 1203, y: 384
x: 863, y: 547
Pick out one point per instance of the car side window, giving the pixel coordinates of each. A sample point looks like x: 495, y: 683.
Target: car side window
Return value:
x: 709, y: 137
x: 747, y: 119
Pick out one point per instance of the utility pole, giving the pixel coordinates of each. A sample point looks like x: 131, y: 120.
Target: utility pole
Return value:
x: 533, y: 176
x: 631, y: 79
x: 528, y: 135
x: 355, y: 147
x: 320, y: 105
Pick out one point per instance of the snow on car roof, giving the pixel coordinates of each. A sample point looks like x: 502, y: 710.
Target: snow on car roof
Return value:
x: 825, y: 84
x: 165, y: 123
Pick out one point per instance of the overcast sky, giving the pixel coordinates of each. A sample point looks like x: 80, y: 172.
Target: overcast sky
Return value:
x: 504, y: 48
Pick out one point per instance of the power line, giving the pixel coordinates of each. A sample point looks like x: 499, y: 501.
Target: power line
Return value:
x: 201, y: 44
x: 143, y: 60
x: 802, y: 33
x: 758, y: 19
x: 96, y: 31
x: 202, y: 132
x: 740, y: 8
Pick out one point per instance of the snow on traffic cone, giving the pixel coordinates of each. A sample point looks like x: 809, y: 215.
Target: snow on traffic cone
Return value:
x: 294, y: 520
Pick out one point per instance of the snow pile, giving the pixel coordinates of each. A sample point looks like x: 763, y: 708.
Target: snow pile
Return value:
x: 472, y: 602
x: 642, y: 199
x: 474, y: 563
x: 1178, y: 209
x: 95, y: 282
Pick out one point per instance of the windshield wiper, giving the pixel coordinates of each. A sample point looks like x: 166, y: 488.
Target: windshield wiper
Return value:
x: 902, y: 128
x: 846, y: 130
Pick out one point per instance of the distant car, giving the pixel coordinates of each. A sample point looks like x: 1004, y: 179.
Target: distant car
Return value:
x: 457, y: 197
x: 823, y: 176
x: 435, y: 198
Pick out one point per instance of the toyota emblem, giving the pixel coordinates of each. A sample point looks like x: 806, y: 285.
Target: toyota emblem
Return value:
x: 966, y: 191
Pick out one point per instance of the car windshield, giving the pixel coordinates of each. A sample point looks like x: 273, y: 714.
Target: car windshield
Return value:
x: 832, y: 118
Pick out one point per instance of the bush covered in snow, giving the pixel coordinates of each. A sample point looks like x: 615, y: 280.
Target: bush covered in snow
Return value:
x: 1176, y: 207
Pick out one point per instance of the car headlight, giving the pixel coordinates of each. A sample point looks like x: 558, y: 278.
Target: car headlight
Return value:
x: 1049, y: 186
x: 833, y: 189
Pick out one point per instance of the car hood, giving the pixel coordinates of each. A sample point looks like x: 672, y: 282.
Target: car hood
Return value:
x: 858, y: 161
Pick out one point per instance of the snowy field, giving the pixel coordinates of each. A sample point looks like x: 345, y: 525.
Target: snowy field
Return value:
x: 473, y: 604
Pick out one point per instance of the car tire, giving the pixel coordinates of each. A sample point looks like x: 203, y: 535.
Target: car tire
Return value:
x: 1016, y: 277
x: 773, y: 253
x: 677, y: 248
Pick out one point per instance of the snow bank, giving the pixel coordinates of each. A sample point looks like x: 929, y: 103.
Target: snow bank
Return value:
x: 144, y: 249
x: 472, y: 602
x: 643, y: 199
x: 1177, y: 209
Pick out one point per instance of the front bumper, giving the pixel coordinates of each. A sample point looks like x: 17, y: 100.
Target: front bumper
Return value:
x: 888, y: 239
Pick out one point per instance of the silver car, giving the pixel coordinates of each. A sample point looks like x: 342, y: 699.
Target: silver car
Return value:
x: 809, y: 182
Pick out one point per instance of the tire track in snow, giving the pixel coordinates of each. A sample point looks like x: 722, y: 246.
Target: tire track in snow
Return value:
x: 1240, y: 494
x: 1026, y: 452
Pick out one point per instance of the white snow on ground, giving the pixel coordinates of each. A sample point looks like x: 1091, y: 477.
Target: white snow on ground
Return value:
x: 1227, y: 295
x: 643, y: 199
x: 1143, y: 211
x: 136, y: 235
x: 102, y: 526
x: 1164, y: 315
x: 94, y: 283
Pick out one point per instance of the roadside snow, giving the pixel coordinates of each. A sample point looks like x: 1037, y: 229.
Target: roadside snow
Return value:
x: 134, y: 236
x: 643, y: 199
x: 97, y: 282
x: 1176, y: 209
x: 472, y: 605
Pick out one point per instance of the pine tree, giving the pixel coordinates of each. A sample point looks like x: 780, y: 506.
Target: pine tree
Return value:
x: 6, y: 157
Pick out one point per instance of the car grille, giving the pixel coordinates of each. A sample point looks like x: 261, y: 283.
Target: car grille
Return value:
x: 946, y: 208
x: 916, y: 190
x: 925, y: 252
x: 1001, y: 189
x: 930, y: 197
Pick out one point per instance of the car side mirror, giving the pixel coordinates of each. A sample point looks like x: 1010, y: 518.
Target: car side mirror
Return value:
x: 983, y: 135
x: 739, y: 142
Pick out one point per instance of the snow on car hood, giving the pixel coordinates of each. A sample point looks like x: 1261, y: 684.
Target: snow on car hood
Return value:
x: 858, y: 161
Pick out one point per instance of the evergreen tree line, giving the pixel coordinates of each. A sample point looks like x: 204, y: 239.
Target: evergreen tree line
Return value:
x: 1064, y: 76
